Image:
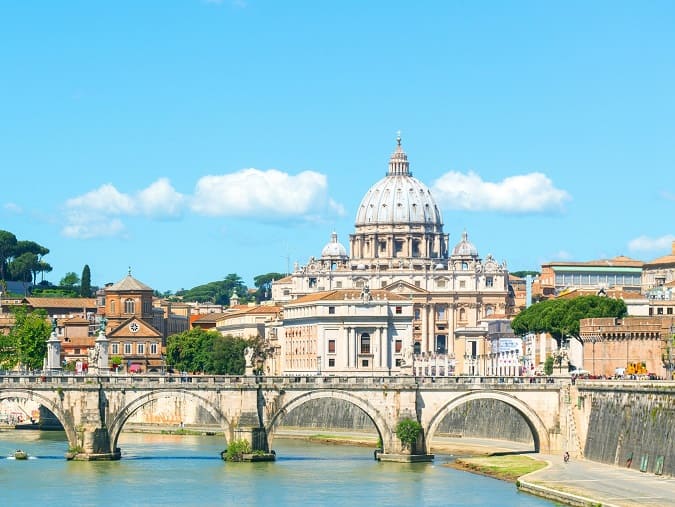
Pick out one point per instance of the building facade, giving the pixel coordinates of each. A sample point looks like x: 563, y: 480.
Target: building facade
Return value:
x: 399, y: 246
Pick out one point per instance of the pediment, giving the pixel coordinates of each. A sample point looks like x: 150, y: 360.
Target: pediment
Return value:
x: 402, y: 287
x: 134, y: 328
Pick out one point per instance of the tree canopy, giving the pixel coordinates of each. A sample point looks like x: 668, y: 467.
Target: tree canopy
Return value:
x: 206, y: 351
x: 263, y: 285
x: 560, y: 317
x: 85, y: 286
x: 218, y: 292
x: 26, y: 343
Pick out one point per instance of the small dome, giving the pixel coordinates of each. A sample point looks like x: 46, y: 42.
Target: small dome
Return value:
x: 465, y: 247
x: 334, y: 248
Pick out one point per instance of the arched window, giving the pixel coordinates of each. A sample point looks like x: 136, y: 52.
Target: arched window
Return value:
x: 462, y: 314
x: 129, y: 306
x: 365, y: 343
x: 489, y: 310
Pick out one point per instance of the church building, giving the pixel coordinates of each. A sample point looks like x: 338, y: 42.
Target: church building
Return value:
x: 399, y: 247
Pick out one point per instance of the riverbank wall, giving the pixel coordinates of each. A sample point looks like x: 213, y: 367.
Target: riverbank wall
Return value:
x: 629, y: 424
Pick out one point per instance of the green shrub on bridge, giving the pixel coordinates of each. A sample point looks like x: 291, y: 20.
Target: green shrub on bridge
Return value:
x: 237, y: 449
x: 407, y: 431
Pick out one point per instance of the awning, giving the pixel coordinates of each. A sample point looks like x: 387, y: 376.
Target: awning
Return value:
x: 135, y: 368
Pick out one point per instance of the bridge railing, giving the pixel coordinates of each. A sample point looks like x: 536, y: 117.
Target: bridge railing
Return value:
x: 325, y: 381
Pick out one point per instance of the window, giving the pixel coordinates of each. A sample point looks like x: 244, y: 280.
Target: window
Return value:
x: 331, y: 362
x: 331, y: 310
x: 331, y: 346
x: 465, y: 266
x: 398, y: 362
x: 399, y: 310
x: 462, y: 284
x: 416, y: 313
x: 112, y: 306
x: 489, y: 281
x: 462, y: 315
x: 364, y: 363
x: 440, y: 312
x: 365, y: 343
x: 383, y: 246
x: 669, y: 310
x: 312, y: 282
x: 338, y: 285
x: 383, y: 284
x: 398, y: 247
x: 153, y: 348
x: 127, y: 348
x: 417, y: 283
x: 441, y: 344
x: 115, y: 348
x: 287, y: 292
x: 440, y: 284
x: 489, y: 310
x: 659, y: 311
x: 129, y: 306
x: 417, y: 348
x: 398, y: 344
x: 140, y: 348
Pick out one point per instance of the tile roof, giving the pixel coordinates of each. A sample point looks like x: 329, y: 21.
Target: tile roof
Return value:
x: 348, y: 294
x: 75, y: 303
x: 128, y: 283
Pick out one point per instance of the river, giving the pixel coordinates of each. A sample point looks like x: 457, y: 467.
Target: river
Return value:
x: 168, y: 470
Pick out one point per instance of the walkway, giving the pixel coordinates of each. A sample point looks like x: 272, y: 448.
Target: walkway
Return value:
x: 607, y: 484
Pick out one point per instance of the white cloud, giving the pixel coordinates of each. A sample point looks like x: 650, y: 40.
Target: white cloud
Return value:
x: 646, y: 244
x: 160, y: 200
x: 527, y: 193
x: 13, y: 208
x: 87, y: 227
x: 106, y: 199
x: 97, y: 212
x: 252, y: 192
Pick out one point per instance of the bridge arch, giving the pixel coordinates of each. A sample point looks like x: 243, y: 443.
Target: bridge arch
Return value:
x: 537, y: 427
x: 383, y: 429
x: 120, y: 417
x: 49, y: 403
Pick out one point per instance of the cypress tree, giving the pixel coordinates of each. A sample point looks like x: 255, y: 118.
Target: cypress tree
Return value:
x: 85, y: 286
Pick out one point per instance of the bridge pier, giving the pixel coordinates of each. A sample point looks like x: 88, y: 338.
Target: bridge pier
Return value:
x: 93, y: 444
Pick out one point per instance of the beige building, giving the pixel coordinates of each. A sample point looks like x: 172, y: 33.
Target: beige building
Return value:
x: 342, y: 332
x: 399, y: 246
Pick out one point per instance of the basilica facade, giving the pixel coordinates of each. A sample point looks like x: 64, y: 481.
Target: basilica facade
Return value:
x: 399, y: 247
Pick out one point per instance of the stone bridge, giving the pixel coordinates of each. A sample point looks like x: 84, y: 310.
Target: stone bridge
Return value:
x: 93, y: 409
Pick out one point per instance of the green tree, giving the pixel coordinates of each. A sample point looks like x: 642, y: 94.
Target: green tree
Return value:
x: 206, y: 351
x: 263, y: 285
x: 548, y: 365
x: 70, y: 280
x: 26, y: 343
x: 227, y: 356
x: 23, y: 267
x: 217, y: 292
x: 85, y: 286
x: 560, y: 317
x: 7, y: 248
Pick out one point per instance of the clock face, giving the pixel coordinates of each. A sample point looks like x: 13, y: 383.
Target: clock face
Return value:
x: 134, y: 327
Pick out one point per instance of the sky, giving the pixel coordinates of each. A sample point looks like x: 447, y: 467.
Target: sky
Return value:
x: 190, y: 139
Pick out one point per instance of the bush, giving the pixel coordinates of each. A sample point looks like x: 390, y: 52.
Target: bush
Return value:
x: 407, y: 431
x: 237, y: 449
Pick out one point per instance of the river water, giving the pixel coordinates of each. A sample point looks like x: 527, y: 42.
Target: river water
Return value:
x: 168, y: 470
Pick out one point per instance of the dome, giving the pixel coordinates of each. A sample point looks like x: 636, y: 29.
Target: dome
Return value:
x: 465, y: 247
x: 398, y: 197
x: 334, y: 248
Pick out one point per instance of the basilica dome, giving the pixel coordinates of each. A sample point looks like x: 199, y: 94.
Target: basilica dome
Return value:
x: 398, y: 198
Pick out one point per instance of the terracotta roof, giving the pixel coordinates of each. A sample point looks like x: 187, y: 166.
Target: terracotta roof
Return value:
x: 348, y: 294
x: 75, y: 303
x: 128, y: 283
x: 666, y: 259
x: 75, y: 320
x: 208, y: 317
x: 286, y: 279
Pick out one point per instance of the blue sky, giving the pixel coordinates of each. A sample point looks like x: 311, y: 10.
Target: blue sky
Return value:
x: 190, y: 139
